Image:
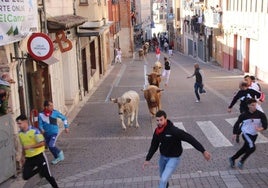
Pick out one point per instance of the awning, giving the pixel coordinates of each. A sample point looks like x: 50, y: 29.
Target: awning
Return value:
x: 64, y: 22
x: 51, y: 60
x: 87, y: 32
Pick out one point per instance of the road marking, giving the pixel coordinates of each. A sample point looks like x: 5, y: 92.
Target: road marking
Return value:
x: 116, y: 81
x: 185, y: 145
x: 260, y: 139
x: 214, y: 135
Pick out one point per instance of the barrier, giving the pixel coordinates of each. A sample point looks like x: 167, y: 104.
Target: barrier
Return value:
x: 7, y: 148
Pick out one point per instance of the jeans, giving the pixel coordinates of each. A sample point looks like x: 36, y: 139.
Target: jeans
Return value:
x: 51, y: 143
x: 167, y: 165
x: 198, y: 87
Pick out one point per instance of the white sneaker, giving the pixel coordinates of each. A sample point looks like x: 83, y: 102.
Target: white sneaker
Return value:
x: 197, y: 101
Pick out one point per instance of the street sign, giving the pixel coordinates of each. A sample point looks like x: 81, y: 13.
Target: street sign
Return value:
x: 40, y: 46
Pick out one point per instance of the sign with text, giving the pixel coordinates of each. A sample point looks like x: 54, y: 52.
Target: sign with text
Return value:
x: 18, y: 18
x: 40, y: 46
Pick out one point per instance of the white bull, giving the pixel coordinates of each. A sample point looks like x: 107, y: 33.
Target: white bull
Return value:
x: 128, y: 106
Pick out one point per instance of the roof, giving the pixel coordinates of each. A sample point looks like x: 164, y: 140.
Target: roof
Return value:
x: 63, y: 22
x: 87, y: 32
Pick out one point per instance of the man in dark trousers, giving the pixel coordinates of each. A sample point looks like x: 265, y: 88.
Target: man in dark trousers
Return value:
x: 249, y: 123
x: 33, y: 144
x: 243, y: 95
x: 168, y: 138
x: 199, y: 82
x: 166, y: 72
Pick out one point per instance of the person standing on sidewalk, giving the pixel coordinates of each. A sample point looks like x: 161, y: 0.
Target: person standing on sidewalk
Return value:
x: 118, y: 57
x: 249, y: 123
x: 47, y: 121
x: 168, y: 138
x: 199, y: 85
x: 34, y: 159
x: 166, y: 71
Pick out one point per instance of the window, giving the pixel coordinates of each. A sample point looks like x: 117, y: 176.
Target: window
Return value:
x: 83, y: 2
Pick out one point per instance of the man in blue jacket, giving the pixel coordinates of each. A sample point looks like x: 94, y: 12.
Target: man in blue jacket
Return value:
x: 47, y: 121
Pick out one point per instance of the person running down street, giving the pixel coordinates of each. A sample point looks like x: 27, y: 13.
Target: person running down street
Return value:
x: 47, y: 121
x: 243, y: 95
x: 168, y: 138
x: 34, y: 159
x: 166, y: 71
x: 249, y: 123
x: 199, y: 85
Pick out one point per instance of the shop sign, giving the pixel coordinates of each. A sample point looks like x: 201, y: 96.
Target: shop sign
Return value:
x: 18, y: 19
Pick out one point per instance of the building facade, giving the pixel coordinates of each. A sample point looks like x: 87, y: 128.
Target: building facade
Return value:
x: 210, y: 33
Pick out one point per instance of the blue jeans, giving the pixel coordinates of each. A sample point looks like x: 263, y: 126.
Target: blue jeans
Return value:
x: 167, y: 165
x: 51, y: 144
x: 198, y: 87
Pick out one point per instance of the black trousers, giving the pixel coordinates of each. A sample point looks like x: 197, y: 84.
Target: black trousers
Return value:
x: 247, y: 149
x: 38, y: 164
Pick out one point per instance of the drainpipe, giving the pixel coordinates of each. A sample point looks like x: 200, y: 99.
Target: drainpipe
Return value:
x: 74, y: 7
x: 45, y: 17
x: 78, y: 57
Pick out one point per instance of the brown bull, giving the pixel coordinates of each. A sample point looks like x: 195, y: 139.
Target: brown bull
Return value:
x: 152, y: 95
x: 154, y: 79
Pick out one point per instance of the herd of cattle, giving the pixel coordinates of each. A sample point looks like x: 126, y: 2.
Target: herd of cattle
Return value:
x: 128, y: 103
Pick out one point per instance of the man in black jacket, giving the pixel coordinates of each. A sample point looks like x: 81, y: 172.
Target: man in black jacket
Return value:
x: 199, y: 82
x: 249, y: 123
x: 168, y: 138
x: 243, y: 95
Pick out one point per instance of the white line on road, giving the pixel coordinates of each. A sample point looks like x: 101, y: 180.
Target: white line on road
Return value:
x: 214, y: 135
x: 116, y: 81
x: 185, y: 145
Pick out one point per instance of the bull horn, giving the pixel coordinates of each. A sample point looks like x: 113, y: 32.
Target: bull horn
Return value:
x: 158, y: 90
x: 113, y: 100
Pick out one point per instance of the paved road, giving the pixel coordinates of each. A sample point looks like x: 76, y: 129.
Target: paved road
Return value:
x: 100, y: 154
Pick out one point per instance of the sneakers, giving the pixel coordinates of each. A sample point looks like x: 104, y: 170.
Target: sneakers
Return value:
x: 58, y: 159
x: 61, y: 156
x: 197, y: 101
x: 232, y: 162
x: 240, y: 165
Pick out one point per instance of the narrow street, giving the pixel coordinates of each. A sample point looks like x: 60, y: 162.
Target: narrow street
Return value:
x: 99, y: 153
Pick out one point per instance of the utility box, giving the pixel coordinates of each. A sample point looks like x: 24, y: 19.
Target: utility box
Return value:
x: 7, y: 148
